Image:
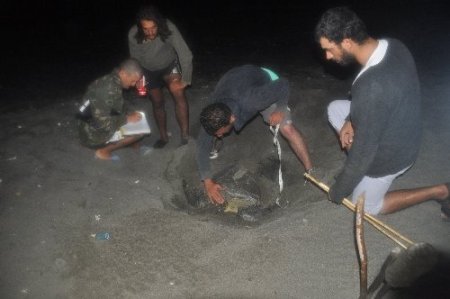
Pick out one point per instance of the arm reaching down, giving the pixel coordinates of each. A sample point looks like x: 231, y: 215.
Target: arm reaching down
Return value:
x: 213, y: 191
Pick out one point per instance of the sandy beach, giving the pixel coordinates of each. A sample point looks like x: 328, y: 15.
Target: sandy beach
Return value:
x: 54, y: 195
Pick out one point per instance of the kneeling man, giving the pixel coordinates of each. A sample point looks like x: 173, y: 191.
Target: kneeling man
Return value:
x: 103, y: 113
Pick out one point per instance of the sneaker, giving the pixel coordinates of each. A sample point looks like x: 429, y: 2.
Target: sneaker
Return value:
x: 160, y: 143
x: 184, y: 141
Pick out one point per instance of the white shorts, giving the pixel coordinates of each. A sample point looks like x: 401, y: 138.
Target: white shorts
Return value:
x: 374, y: 189
x: 266, y: 113
x: 338, y: 111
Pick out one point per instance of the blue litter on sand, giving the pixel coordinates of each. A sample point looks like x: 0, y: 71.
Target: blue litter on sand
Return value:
x: 102, y: 236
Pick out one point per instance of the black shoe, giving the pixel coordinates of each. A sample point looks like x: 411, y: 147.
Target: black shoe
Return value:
x: 184, y: 141
x: 160, y: 143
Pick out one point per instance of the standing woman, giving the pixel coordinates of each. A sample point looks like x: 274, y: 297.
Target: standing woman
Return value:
x: 167, y: 61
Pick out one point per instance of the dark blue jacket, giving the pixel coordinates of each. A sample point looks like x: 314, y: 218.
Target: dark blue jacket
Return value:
x: 246, y: 90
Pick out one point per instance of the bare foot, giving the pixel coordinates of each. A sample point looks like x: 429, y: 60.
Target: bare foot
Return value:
x: 445, y: 204
x: 444, y: 192
x: 103, y: 154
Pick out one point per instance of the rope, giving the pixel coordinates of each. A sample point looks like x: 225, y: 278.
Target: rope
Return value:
x: 274, y: 130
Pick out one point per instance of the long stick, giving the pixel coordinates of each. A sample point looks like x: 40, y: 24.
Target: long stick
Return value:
x: 361, y: 246
x: 380, y: 226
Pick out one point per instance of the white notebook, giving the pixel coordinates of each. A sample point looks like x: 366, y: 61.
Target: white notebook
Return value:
x: 140, y: 127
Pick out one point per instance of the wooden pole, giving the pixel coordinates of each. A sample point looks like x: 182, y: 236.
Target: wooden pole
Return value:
x: 361, y: 246
x: 380, y: 226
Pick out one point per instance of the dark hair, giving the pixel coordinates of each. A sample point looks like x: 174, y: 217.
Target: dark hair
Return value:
x: 339, y: 23
x: 151, y: 13
x: 215, y: 116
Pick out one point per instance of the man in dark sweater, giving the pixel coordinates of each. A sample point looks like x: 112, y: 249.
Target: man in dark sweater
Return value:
x: 380, y: 127
x: 242, y: 93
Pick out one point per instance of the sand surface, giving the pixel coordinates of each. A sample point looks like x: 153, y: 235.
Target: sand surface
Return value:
x: 54, y: 195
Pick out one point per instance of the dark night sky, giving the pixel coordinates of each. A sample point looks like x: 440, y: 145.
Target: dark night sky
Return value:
x: 67, y: 43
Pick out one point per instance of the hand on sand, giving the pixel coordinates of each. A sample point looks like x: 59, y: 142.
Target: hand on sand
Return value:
x: 213, y: 192
x: 321, y: 174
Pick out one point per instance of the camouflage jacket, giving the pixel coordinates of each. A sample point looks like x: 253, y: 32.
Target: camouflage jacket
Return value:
x: 107, y: 111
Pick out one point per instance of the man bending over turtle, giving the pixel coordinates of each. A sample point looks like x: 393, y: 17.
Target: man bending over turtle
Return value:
x: 240, y: 94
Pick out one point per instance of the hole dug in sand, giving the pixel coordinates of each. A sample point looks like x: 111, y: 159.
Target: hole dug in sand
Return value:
x: 252, y: 195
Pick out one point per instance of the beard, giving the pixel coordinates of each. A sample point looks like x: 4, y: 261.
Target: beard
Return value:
x: 150, y: 37
x: 347, y: 58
